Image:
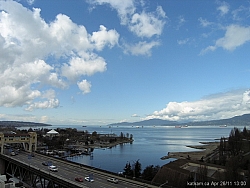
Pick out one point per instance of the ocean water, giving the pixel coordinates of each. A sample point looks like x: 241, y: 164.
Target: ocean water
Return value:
x: 150, y: 144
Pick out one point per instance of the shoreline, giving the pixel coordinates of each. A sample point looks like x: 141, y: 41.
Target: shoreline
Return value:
x: 206, y: 147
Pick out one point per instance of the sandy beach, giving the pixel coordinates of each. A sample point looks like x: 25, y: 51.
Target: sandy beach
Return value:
x: 206, y: 149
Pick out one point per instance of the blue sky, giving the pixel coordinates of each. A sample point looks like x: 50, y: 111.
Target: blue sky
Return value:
x: 96, y: 62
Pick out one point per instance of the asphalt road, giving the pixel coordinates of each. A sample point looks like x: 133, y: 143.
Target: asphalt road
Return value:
x: 69, y: 171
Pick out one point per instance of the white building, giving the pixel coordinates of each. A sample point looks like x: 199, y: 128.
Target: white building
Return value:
x: 52, y: 133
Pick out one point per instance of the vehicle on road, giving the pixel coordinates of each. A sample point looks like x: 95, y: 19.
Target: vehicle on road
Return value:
x: 112, y: 180
x: 53, y: 168
x: 47, y: 163
x: 12, y: 153
x: 89, y: 179
x: 79, y: 179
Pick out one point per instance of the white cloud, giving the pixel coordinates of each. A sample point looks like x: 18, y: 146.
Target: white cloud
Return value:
x: 241, y: 13
x: 135, y: 115
x: 223, y: 8
x: 204, y: 22
x: 84, y: 86
x: 124, y: 8
x: 30, y: 2
x: 44, y: 119
x: 79, y: 66
x: 184, y: 41
x: 147, y: 24
x: 51, y: 103
x: 143, y: 24
x: 141, y: 48
x: 103, y: 37
x: 27, y: 43
x: 181, y: 21
x: 220, y: 106
x: 235, y: 36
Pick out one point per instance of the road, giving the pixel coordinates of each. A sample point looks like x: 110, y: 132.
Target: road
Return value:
x: 69, y: 171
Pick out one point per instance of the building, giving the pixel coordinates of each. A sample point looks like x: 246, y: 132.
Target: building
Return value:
x: 28, y: 141
x: 6, y: 184
x: 52, y: 133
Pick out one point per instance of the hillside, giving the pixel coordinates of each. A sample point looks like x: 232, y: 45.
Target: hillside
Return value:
x: 146, y: 122
x: 243, y: 120
x: 235, y: 121
x: 21, y: 124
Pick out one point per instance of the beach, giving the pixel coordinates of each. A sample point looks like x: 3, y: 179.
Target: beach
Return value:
x: 205, y: 149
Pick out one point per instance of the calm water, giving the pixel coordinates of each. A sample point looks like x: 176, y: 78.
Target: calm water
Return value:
x: 150, y: 144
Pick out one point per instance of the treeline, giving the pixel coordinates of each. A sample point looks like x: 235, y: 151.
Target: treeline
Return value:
x: 234, y: 154
x: 134, y: 170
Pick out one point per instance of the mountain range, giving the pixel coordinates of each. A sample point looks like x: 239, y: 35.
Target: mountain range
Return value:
x: 243, y: 120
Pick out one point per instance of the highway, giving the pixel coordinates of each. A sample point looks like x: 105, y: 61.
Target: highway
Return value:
x: 68, y: 171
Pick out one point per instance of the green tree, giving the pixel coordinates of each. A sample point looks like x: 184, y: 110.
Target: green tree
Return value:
x: 234, y: 141
x: 222, y: 151
x: 137, y: 169
x: 131, y: 137
x: 128, y: 170
x: 121, y: 135
x: 245, y: 132
x: 149, y: 172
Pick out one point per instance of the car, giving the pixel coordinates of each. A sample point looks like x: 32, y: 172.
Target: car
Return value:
x: 12, y: 153
x: 89, y: 179
x: 112, y: 180
x: 47, y: 163
x: 79, y: 179
x: 53, y: 168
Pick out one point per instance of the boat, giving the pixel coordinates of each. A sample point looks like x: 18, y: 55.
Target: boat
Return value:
x: 223, y: 125
x: 178, y: 126
x: 184, y: 125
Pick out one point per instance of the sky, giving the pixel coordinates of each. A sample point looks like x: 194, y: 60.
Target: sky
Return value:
x: 96, y: 62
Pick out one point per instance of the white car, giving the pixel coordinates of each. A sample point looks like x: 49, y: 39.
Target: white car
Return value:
x: 53, y: 168
x: 112, y: 180
x: 12, y: 153
x: 89, y: 179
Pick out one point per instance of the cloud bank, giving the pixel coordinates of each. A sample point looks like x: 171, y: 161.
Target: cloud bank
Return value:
x: 30, y: 52
x: 219, y: 106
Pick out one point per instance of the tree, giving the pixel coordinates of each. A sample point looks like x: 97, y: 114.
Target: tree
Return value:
x: 137, y: 169
x: 222, y: 149
x: 232, y: 166
x: 234, y: 141
x: 121, y: 135
x: 149, y: 172
x: 94, y: 134
x: 128, y: 170
x: 245, y: 132
x: 131, y: 137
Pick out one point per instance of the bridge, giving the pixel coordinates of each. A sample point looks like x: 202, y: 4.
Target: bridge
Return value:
x: 30, y: 171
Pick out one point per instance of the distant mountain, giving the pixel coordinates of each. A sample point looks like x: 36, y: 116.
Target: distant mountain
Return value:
x: 146, y: 123
x: 21, y: 124
x: 243, y: 120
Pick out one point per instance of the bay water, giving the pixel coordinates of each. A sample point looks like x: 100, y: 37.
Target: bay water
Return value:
x: 150, y: 144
